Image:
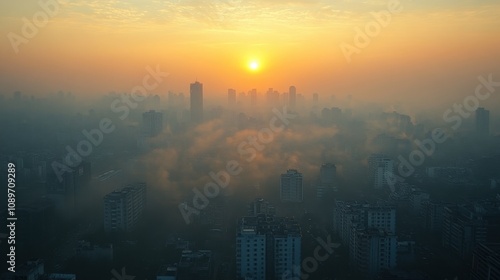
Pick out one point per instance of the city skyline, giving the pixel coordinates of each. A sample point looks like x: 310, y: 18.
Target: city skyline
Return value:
x: 250, y: 139
x: 310, y: 35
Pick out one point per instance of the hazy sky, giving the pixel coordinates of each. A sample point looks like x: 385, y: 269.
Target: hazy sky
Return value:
x: 431, y: 48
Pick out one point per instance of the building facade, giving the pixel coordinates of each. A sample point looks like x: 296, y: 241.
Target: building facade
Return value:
x: 291, y: 189
x: 124, y: 208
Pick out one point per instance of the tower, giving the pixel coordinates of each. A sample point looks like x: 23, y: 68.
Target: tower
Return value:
x: 292, y: 96
x: 196, y: 99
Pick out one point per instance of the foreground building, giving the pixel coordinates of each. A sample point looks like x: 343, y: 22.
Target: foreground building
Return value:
x: 466, y: 226
x: 267, y: 247
x: 486, y: 262
x: 373, y: 250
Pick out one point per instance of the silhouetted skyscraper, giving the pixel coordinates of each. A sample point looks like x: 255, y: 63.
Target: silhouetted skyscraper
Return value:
x: 381, y: 169
x: 482, y: 122
x: 253, y: 98
x: 292, y: 97
x: 273, y: 98
x: 196, y: 96
x: 291, y: 186
x: 152, y: 123
x: 327, y: 178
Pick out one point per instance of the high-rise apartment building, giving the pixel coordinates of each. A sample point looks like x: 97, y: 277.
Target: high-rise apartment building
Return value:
x: 267, y: 247
x: 373, y: 250
x: 327, y: 180
x: 291, y: 189
x: 124, y: 208
x: 381, y: 170
x: 292, y: 97
x: 152, y: 123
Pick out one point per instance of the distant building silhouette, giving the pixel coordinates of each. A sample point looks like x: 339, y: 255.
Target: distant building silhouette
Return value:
x: 253, y: 98
x: 327, y: 178
x: 196, y: 99
x: 381, y: 169
x: 291, y: 189
x: 272, y: 97
x: 261, y: 206
x: 152, y: 123
x: 292, y: 97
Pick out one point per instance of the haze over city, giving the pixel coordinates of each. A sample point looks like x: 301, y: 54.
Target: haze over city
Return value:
x: 232, y: 139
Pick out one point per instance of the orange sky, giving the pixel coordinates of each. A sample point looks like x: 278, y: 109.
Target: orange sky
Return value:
x: 91, y: 47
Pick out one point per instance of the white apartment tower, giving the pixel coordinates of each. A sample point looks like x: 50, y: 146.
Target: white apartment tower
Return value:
x: 267, y: 247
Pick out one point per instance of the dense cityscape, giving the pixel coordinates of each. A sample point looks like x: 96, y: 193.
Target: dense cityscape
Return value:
x: 283, y: 186
x: 250, y: 140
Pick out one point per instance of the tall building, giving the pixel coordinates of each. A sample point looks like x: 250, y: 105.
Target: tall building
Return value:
x: 267, y: 247
x: 369, y: 232
x: 381, y: 170
x: 433, y: 215
x: 196, y: 99
x: 418, y: 201
x: 373, y: 250
x: 231, y: 98
x: 152, y: 123
x: 327, y: 180
x: 292, y: 97
x: 272, y: 98
x: 465, y: 226
x: 253, y: 98
x: 482, y: 122
x: 291, y: 186
x: 350, y: 215
x: 124, y: 208
x: 486, y: 262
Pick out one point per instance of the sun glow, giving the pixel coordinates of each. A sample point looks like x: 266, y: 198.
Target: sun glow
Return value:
x: 254, y: 65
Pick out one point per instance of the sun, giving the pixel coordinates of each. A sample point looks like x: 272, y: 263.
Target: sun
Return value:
x: 253, y: 65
